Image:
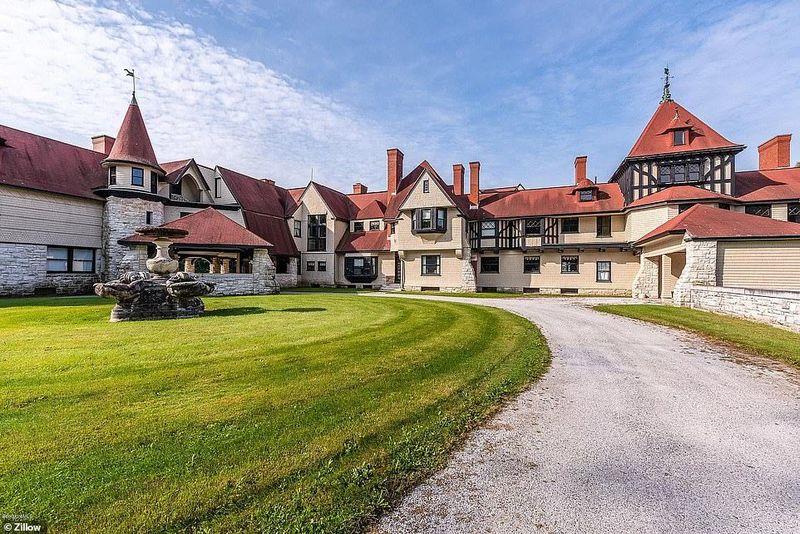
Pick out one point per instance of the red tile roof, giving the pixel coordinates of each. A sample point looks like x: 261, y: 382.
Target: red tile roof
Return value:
x: 657, y: 139
x: 274, y: 229
x: 549, y: 201
x: 368, y: 241
x: 35, y: 162
x: 679, y: 193
x: 337, y: 201
x: 373, y: 210
x: 208, y: 227
x: 175, y: 169
x: 705, y: 222
x: 132, y: 144
x: 774, y: 184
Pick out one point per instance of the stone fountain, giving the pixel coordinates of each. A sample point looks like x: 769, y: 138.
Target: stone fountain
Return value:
x: 161, y: 293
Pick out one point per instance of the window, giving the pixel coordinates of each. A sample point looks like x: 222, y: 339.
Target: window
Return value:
x: 678, y: 137
x: 489, y: 229
x: 358, y: 226
x: 490, y: 264
x: 392, y: 228
x: 431, y: 265
x: 429, y: 220
x: 310, y: 265
x: 531, y: 264
x: 426, y: 186
x: 374, y: 225
x: 298, y: 228
x: 153, y: 182
x: 684, y: 207
x: 762, y: 210
x: 218, y: 188
x: 137, y: 176
x: 281, y: 265
x: 604, y: 226
x: 794, y: 213
x: 569, y: 225
x: 569, y: 264
x: 669, y: 173
x: 112, y: 175
x: 322, y: 266
x: 603, y: 271
x: 533, y: 227
x: 185, y: 213
x: 70, y: 260
x: 175, y: 189
x: 148, y: 217
x: 360, y: 268
x: 725, y: 207
x: 316, y: 233
x: 586, y: 195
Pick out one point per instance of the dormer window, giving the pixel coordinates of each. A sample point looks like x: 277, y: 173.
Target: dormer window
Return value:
x: 678, y: 137
x: 586, y: 195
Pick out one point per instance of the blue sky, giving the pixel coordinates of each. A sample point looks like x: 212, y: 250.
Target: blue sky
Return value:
x: 276, y: 88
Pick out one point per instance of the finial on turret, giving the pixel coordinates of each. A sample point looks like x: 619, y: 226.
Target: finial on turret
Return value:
x: 132, y: 74
x: 666, y: 96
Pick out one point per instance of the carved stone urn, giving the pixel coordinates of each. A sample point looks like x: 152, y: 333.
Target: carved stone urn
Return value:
x: 160, y: 293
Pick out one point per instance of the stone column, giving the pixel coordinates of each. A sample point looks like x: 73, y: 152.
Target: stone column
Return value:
x: 645, y: 283
x: 215, y: 267
x: 188, y: 265
x: 264, y: 280
x: 468, y: 281
x: 225, y: 266
x: 700, y: 269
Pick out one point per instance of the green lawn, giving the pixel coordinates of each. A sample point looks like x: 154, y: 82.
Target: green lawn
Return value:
x: 749, y: 336
x: 304, y: 412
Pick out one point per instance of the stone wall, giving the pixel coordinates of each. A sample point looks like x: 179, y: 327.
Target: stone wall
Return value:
x: 645, y: 283
x: 121, y: 217
x: 290, y: 278
x: 468, y: 282
x: 262, y: 281
x: 780, y: 308
x: 23, y: 271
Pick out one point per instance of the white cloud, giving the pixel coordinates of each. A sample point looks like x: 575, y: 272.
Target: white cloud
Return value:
x: 62, y: 77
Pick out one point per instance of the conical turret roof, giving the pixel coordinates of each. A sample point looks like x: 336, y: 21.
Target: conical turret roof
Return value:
x: 133, y: 143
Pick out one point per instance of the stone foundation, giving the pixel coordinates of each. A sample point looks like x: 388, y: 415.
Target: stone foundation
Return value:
x: 780, y: 308
x: 23, y: 272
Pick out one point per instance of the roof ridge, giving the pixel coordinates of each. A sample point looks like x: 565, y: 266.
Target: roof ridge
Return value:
x: 52, y: 139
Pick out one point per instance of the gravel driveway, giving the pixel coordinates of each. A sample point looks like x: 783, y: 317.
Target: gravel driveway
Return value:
x: 636, y: 428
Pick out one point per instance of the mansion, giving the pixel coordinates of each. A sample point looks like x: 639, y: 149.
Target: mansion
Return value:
x: 676, y: 214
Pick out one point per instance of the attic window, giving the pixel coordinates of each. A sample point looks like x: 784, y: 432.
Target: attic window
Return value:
x: 678, y: 137
x: 586, y: 195
x: 426, y: 186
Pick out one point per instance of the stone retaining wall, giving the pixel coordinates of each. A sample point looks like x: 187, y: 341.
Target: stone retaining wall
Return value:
x: 236, y: 284
x: 780, y: 308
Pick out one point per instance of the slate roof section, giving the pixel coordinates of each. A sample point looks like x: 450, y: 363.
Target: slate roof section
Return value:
x: 769, y: 185
x: 706, y: 222
x: 680, y: 193
x: 549, y: 201
x: 368, y: 241
x: 36, y: 162
x: 208, y: 227
x: 656, y: 137
x: 132, y: 144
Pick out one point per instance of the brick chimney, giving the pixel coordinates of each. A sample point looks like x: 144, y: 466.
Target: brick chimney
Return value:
x: 395, y: 163
x: 774, y: 153
x: 474, y: 182
x: 102, y: 143
x: 359, y: 188
x: 580, y: 168
x: 458, y: 179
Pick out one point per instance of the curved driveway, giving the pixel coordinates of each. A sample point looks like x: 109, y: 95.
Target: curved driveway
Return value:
x: 636, y: 428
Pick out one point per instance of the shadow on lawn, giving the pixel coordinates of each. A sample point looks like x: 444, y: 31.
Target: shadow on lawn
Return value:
x: 253, y: 310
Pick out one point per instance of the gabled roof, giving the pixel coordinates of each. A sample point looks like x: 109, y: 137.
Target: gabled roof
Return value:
x: 208, y: 227
x: 773, y: 184
x: 407, y: 184
x: 679, y: 193
x: 35, y: 162
x: 656, y: 138
x: 368, y: 241
x: 373, y: 210
x: 260, y: 196
x: 132, y: 144
x: 336, y: 201
x: 175, y: 169
x: 702, y: 221
x: 550, y: 201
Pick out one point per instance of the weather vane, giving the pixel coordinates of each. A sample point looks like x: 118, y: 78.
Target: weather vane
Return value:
x: 132, y: 74
x: 666, y: 96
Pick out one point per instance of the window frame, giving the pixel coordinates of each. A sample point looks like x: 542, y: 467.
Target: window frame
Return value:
x: 424, y: 264
x: 70, y: 259
x: 683, y: 137
x: 358, y: 226
x: 565, y: 258
x: 757, y: 207
x: 583, y: 192
x: 577, y: 225
x: 793, y: 212
x: 310, y: 266
x: 322, y: 266
x: 217, y: 193
x: 525, y: 266
x: 437, y: 221
x: 148, y: 218
x: 426, y: 185
x: 494, y: 227
x: 599, y: 228
x: 598, y: 271
x: 493, y: 270
x: 298, y: 228
x: 374, y: 225
x: 529, y: 220
x: 317, y: 224
x: 154, y: 182
x: 112, y: 175
x: 141, y: 177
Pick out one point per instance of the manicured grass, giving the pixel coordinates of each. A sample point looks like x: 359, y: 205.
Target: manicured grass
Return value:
x: 749, y: 336
x: 304, y: 412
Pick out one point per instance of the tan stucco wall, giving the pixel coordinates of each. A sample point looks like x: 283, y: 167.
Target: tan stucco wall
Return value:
x: 587, y: 231
x: 624, y: 266
x: 35, y: 217
x: 642, y: 221
x: 453, y: 238
x: 451, y: 269
x: 759, y: 264
x: 434, y: 198
x: 312, y: 203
